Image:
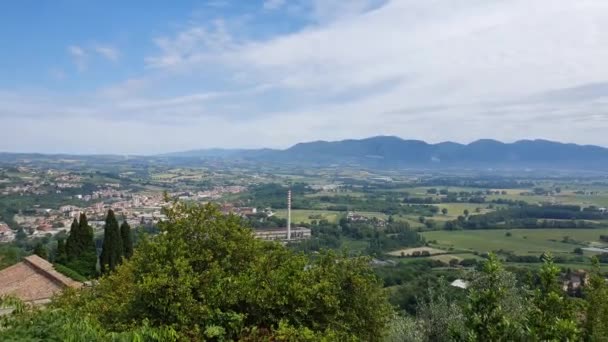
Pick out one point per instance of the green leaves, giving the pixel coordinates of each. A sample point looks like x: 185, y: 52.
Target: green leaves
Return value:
x: 207, y: 277
x: 112, y: 248
x: 79, y: 252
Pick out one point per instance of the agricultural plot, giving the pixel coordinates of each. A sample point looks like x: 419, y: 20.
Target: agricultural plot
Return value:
x: 410, y: 251
x: 305, y: 216
x: 518, y: 241
x: 457, y: 209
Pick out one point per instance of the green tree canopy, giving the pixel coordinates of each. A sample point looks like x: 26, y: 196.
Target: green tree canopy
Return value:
x: 79, y: 253
x: 206, y: 276
x: 41, y: 251
x: 127, y: 240
x: 112, y: 249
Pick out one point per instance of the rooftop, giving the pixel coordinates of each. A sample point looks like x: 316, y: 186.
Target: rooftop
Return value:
x: 33, y: 280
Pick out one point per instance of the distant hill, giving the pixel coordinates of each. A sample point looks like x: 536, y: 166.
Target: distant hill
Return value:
x: 382, y: 152
x: 393, y: 152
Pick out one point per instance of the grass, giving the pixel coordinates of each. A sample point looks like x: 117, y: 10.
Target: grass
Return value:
x: 521, y: 241
x: 303, y: 215
x: 457, y: 209
x: 354, y: 245
x: 409, y: 251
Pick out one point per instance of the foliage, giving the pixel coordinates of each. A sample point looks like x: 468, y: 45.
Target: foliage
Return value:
x: 495, y: 310
x: 79, y: 252
x: 440, y: 318
x: 27, y: 323
x: 68, y: 272
x: 10, y: 254
x: 61, y: 252
x: 596, y: 295
x: 112, y: 248
x: 403, y: 328
x: 127, y: 240
x: 41, y: 251
x: 206, y: 276
x: 552, y: 317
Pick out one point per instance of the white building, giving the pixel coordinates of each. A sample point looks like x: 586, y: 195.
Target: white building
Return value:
x: 280, y: 234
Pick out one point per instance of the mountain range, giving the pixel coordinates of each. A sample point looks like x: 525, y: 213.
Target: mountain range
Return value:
x: 393, y: 152
x: 381, y: 152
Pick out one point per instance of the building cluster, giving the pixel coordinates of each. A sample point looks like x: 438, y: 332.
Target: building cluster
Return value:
x: 33, y: 188
x: 135, y: 208
x: 229, y: 208
x: 354, y: 217
x: 212, y: 194
x: 280, y: 234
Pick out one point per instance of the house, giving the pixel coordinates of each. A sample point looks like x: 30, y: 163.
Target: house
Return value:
x: 575, y: 281
x: 459, y: 283
x: 354, y: 217
x: 280, y: 234
x: 34, y: 280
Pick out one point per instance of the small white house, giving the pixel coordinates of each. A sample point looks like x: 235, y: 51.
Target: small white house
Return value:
x: 460, y: 284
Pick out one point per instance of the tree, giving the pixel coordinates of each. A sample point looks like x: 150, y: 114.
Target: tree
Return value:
x: 127, y: 241
x: 80, y: 250
x: 21, y: 235
x: 72, y: 245
x: 466, y: 212
x: 495, y: 308
x: 112, y: 249
x: 596, y: 295
x: 29, y: 323
x: 206, y: 276
x: 41, y: 251
x: 552, y: 317
x: 61, y: 256
x: 440, y: 319
x: 444, y: 211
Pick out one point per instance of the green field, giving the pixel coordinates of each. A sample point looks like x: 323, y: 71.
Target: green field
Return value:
x: 457, y: 209
x: 521, y: 241
x: 298, y: 215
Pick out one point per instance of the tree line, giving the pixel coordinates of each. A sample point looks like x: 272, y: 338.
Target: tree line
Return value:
x: 79, y: 253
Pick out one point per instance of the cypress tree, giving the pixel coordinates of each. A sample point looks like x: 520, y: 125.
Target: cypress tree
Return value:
x: 41, y: 251
x: 88, y: 254
x: 127, y: 242
x: 71, y: 245
x: 112, y: 250
x: 80, y: 251
x: 61, y: 256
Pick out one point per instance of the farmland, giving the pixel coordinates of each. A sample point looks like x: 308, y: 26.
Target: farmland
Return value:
x: 518, y: 241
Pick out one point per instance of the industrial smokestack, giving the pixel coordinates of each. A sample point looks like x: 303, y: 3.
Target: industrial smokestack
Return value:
x: 289, y: 215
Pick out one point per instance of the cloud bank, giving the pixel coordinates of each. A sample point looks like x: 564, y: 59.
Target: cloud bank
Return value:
x: 431, y: 70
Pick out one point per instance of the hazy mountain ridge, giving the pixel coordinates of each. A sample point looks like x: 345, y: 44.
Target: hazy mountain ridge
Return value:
x: 385, y: 152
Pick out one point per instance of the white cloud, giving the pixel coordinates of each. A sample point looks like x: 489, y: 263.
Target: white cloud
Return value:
x: 273, y: 4
x: 79, y: 56
x: 433, y: 70
x: 108, y: 52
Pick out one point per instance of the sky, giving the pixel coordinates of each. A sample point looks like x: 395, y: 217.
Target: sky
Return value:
x: 145, y: 77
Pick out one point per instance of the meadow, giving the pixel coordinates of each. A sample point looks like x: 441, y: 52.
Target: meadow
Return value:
x: 518, y: 241
x: 304, y: 215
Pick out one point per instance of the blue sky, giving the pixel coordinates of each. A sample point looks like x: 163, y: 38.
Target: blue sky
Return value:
x: 153, y: 76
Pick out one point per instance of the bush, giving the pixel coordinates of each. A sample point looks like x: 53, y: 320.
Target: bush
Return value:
x: 207, y: 277
x: 68, y: 272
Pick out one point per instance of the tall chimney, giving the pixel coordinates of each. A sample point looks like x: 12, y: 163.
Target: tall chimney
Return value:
x: 289, y: 215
